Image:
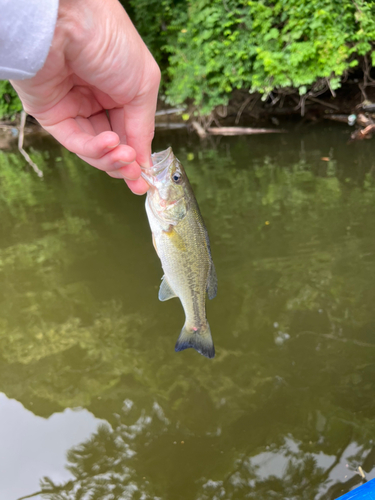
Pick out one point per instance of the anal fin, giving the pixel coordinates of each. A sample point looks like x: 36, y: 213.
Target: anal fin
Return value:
x: 165, y: 291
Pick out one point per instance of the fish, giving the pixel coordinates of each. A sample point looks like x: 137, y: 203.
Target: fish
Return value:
x: 181, y: 241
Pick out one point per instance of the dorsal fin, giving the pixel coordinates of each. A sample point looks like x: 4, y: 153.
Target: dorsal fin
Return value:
x: 212, y: 281
x: 212, y: 277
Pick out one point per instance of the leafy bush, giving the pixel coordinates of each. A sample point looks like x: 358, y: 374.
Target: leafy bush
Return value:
x: 9, y: 101
x: 208, y: 48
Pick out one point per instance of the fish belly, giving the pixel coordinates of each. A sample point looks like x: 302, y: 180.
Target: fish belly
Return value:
x: 185, y: 261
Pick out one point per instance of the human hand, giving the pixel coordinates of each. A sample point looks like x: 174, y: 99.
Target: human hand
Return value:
x: 97, y: 91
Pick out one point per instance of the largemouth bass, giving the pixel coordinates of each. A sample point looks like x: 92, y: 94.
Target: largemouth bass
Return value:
x: 181, y: 241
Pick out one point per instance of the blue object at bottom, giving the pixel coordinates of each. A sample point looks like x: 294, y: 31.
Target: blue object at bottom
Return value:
x: 364, y: 492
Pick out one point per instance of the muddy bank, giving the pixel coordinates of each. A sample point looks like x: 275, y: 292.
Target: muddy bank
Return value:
x: 352, y: 104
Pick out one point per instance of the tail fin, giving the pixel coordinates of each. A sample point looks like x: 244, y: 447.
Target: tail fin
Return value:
x: 200, y: 340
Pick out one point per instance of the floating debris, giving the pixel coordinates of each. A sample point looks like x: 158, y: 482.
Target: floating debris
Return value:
x: 361, y: 473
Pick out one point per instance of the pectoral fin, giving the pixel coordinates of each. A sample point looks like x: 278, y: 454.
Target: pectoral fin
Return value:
x: 212, y: 282
x: 154, y: 243
x: 165, y: 291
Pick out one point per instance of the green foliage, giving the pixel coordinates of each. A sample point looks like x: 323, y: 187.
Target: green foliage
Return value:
x: 155, y: 20
x: 9, y: 100
x: 207, y: 49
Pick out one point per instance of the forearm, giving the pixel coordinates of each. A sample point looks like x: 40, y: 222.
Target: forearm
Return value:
x: 26, y: 33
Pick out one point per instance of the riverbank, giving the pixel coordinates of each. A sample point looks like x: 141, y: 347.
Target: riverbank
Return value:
x: 352, y: 104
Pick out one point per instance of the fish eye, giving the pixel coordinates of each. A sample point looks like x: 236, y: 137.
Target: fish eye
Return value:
x: 176, y: 177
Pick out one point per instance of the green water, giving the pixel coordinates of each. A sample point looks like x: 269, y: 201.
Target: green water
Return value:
x: 96, y: 404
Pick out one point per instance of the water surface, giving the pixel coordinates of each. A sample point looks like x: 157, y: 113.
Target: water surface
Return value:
x: 95, y: 402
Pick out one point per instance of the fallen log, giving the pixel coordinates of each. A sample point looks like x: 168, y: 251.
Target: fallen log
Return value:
x: 199, y: 129
x: 337, y: 118
x: 359, y: 119
x: 171, y: 111
x: 170, y: 125
x: 243, y: 130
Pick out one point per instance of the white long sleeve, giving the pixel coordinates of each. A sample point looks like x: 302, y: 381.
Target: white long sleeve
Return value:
x: 26, y: 32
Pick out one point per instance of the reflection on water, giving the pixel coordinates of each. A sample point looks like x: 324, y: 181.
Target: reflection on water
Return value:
x: 33, y: 447
x: 285, y: 411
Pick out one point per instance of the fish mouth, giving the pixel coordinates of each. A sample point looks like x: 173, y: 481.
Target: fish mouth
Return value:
x: 162, y: 159
x: 160, y: 162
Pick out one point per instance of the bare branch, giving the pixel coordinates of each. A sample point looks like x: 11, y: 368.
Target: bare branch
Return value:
x: 35, y: 167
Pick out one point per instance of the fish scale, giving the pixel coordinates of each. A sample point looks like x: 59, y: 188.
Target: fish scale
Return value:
x: 182, y: 244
